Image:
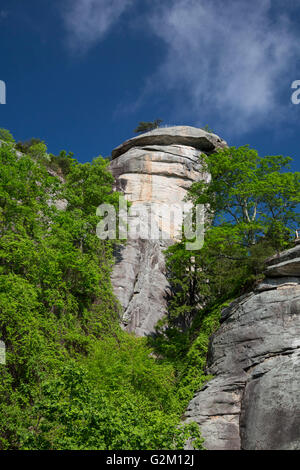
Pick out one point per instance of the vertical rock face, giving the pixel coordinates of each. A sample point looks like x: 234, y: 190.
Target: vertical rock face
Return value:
x: 154, y: 170
x: 254, y: 400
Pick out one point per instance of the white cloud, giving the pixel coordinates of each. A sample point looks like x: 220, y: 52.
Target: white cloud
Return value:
x: 87, y: 21
x: 224, y: 62
x: 226, y: 59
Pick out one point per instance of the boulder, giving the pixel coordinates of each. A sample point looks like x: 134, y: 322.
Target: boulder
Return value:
x: 286, y: 263
x: 182, y: 135
x: 253, y: 401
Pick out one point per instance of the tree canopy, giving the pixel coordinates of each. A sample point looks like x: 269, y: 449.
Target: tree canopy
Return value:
x: 253, y: 196
x: 251, y: 212
x: 148, y: 126
x: 72, y: 379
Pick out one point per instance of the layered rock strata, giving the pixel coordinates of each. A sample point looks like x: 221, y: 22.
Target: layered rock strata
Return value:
x: 154, y: 170
x: 253, y: 402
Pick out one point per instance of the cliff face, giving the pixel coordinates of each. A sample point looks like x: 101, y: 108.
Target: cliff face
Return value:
x: 254, y: 400
x: 153, y: 169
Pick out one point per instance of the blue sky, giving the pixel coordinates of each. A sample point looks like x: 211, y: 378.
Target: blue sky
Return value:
x: 80, y: 74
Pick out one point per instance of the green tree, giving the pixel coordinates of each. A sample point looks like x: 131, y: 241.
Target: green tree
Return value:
x: 254, y: 196
x: 251, y: 212
x: 25, y: 146
x: 6, y: 136
x: 39, y: 152
x: 148, y: 126
x: 62, y: 163
x: 208, y: 129
x: 73, y: 379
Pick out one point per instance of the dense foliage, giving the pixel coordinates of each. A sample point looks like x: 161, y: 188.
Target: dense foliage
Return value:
x: 251, y: 212
x: 73, y: 379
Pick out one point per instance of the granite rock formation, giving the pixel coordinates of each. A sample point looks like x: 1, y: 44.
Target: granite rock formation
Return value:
x: 253, y: 401
x: 155, y: 170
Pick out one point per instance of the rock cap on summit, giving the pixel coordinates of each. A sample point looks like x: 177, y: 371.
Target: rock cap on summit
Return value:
x: 182, y: 135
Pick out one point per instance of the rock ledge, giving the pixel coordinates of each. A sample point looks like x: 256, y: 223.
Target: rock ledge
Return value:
x: 254, y: 400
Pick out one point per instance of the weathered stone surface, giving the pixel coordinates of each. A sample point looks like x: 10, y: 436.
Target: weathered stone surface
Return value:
x: 183, y: 135
x: 286, y: 263
x: 270, y: 417
x: 254, y: 400
x: 140, y: 283
x: 277, y: 283
x: 154, y: 170
x: 286, y: 255
x: 157, y: 174
x: 287, y: 268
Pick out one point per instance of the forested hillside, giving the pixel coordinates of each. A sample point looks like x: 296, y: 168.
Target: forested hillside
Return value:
x: 72, y: 379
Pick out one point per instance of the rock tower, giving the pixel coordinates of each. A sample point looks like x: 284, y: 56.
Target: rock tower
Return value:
x: 155, y: 168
